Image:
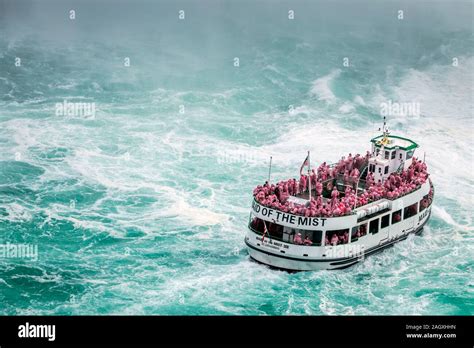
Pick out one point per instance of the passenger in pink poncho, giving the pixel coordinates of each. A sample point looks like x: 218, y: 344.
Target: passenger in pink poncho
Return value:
x: 319, y: 188
x: 349, y: 162
x: 314, y: 178
x: 355, y: 174
x: 296, y: 185
x: 334, y: 195
x: 329, y: 186
x: 298, y: 239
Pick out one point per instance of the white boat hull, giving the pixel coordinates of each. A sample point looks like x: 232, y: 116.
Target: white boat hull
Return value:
x: 293, y: 257
x: 286, y: 263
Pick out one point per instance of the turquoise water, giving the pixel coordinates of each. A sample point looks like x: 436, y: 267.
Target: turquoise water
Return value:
x: 143, y: 208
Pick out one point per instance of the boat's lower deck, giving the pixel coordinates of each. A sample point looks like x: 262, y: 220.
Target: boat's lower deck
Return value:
x: 289, y: 263
x: 285, y: 254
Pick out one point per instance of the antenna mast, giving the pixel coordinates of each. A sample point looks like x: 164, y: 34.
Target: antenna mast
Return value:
x: 385, y: 133
x: 385, y: 129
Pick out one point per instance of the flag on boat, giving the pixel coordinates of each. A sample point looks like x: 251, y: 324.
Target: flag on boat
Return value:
x: 305, y: 163
x: 265, y: 231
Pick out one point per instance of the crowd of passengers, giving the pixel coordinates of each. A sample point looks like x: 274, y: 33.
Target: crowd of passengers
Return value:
x: 335, y: 239
x: 396, y: 185
x: 342, y: 236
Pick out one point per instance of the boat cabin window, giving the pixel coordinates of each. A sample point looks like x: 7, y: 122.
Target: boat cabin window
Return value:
x: 410, y: 154
x: 374, y: 226
x: 387, y: 154
x: 377, y: 151
x: 396, y: 216
x: 380, y: 170
x: 274, y: 230
x: 337, y: 237
x: 358, y: 231
x: 394, y: 153
x: 401, y: 156
x: 256, y: 225
x: 372, y: 168
x: 386, y: 170
x: 290, y: 235
x: 411, y: 210
x: 315, y: 237
x: 424, y: 203
x: 385, y: 221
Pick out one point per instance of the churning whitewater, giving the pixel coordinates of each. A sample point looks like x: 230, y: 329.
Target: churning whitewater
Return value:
x: 135, y: 180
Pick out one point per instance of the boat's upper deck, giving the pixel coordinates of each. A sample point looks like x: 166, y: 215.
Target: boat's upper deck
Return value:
x: 338, y: 189
x: 393, y: 141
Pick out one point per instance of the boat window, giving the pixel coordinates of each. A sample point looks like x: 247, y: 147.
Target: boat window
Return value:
x: 336, y: 237
x: 396, y: 216
x: 380, y: 170
x: 387, y: 154
x: 370, y: 216
x: 374, y: 226
x: 314, y: 236
x: 275, y: 230
x: 385, y: 221
x: 256, y: 225
x: 358, y: 231
x: 394, y: 153
x: 410, y: 154
x: 401, y: 156
x: 386, y: 170
x: 288, y: 234
x: 377, y: 151
x: 411, y: 210
x: 424, y: 203
x: 354, y: 233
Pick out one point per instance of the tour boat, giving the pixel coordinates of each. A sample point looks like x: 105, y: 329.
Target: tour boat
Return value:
x: 333, y: 217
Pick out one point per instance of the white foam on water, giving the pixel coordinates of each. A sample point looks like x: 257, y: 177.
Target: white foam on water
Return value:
x: 321, y: 87
x: 441, y: 213
x: 16, y: 213
x: 303, y: 109
x: 445, y: 94
x: 444, y: 91
x: 326, y: 140
x: 194, y: 215
x: 346, y: 108
x: 211, y: 287
x: 359, y: 100
x: 22, y: 133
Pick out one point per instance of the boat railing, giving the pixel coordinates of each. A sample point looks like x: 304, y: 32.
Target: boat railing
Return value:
x: 362, y: 182
x: 352, y: 212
